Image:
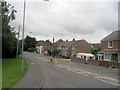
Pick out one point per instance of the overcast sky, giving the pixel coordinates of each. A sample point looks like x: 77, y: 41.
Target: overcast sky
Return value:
x: 67, y: 19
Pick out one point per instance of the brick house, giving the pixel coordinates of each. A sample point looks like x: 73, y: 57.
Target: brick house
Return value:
x: 42, y: 47
x: 110, y: 47
x: 71, y: 48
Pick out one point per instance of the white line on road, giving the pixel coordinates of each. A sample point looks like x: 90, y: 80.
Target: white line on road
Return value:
x: 108, y: 82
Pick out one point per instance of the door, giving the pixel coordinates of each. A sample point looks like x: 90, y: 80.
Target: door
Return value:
x: 115, y: 57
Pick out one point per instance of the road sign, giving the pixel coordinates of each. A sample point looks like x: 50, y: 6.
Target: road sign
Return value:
x: 51, y: 50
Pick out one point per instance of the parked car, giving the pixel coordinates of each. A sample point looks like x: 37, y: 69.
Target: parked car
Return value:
x: 67, y: 57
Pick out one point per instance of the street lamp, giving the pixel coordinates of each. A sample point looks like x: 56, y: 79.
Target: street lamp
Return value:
x: 23, y: 30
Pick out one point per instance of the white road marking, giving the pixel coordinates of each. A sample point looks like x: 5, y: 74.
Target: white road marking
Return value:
x: 109, y: 80
x: 86, y: 73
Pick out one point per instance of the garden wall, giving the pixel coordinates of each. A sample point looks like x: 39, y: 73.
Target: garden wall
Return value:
x: 82, y: 60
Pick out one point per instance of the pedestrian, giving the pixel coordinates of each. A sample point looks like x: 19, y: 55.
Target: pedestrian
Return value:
x: 86, y: 60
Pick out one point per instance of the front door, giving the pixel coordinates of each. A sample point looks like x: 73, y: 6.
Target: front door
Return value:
x: 115, y: 57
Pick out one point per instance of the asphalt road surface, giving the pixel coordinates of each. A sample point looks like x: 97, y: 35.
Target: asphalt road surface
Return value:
x: 68, y: 74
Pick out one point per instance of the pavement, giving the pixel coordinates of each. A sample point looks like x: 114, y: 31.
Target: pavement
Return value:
x: 33, y: 78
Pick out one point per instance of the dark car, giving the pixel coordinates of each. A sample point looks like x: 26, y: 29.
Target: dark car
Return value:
x: 66, y: 57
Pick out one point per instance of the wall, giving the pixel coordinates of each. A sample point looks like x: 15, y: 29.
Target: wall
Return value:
x: 81, y: 60
x: 104, y: 45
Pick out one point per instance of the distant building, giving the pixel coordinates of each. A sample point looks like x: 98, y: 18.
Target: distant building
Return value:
x: 42, y: 47
x: 96, y: 46
x: 110, y: 47
x: 71, y: 48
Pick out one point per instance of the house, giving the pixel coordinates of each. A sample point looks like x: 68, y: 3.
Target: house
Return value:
x: 56, y: 44
x: 71, y: 48
x: 110, y: 47
x: 96, y: 46
x: 42, y: 47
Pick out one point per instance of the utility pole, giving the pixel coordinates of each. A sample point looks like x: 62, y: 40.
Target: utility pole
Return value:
x: 17, y: 45
x: 53, y: 47
x: 23, y: 34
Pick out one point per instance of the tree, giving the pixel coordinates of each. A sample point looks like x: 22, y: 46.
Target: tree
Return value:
x: 48, y: 40
x: 9, y: 40
x: 54, y: 53
x: 29, y: 42
x: 95, y: 51
x: 60, y: 40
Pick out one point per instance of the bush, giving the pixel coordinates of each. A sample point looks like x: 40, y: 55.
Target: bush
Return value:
x: 113, y: 64
x: 31, y: 49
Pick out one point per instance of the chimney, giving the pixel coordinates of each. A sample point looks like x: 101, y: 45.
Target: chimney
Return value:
x: 73, y: 39
x: 66, y: 40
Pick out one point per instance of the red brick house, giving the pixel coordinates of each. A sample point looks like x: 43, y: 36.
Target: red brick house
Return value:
x: 110, y: 48
x: 71, y: 48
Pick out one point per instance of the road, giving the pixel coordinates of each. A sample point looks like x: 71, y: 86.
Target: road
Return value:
x: 68, y: 74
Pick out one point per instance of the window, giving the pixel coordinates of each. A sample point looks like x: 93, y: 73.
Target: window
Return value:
x: 84, y: 56
x: 107, y: 57
x: 110, y: 44
x: 114, y: 57
x: 73, y: 47
x: 62, y: 47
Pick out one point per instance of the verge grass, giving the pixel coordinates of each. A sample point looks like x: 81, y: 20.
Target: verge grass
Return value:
x: 12, y: 72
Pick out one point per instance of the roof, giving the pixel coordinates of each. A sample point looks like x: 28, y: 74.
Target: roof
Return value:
x: 113, y: 36
x: 86, y: 54
x: 71, y: 43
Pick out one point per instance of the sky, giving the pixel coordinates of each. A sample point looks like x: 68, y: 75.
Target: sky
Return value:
x: 91, y: 20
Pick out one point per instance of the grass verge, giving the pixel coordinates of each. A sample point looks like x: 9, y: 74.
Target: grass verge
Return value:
x: 12, y: 72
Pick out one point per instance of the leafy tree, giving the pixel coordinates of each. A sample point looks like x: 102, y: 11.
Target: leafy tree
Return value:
x: 29, y: 42
x: 54, y: 53
x: 9, y: 40
x: 60, y: 40
x: 95, y: 51
x: 48, y: 41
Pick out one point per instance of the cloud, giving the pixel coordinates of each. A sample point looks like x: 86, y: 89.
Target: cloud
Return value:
x: 68, y: 19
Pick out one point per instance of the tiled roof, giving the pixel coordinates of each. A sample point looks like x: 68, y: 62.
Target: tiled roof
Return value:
x: 113, y: 36
x: 70, y: 43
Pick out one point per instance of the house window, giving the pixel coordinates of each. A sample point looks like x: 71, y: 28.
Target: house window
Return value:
x: 73, y: 47
x: 110, y: 44
x: 62, y: 47
x: 107, y: 57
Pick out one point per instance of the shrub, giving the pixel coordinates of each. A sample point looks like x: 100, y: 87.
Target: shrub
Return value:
x: 113, y: 64
x: 31, y: 49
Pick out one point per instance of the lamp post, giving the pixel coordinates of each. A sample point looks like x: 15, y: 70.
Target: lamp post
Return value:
x: 53, y: 47
x: 23, y: 30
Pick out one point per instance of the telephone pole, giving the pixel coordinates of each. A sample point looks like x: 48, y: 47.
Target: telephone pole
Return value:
x: 53, y: 47
x: 17, y: 44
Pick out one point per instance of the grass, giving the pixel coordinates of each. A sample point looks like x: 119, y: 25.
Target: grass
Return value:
x: 12, y: 72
